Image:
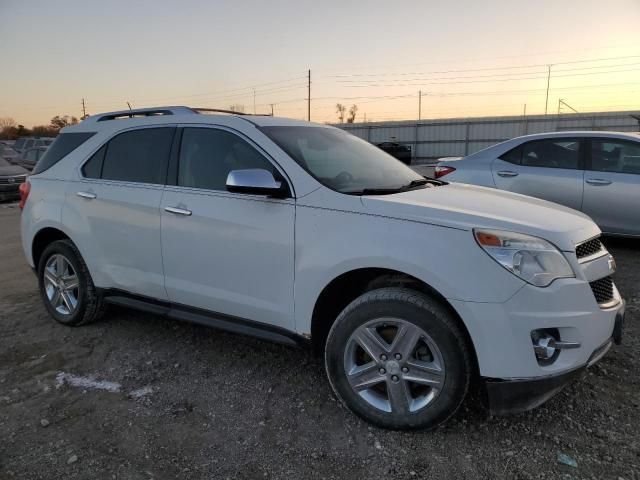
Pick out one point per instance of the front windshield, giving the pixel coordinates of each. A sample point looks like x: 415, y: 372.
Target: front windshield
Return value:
x: 343, y: 162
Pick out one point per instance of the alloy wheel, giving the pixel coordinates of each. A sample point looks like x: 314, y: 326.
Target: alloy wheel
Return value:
x: 61, y: 284
x: 394, y: 365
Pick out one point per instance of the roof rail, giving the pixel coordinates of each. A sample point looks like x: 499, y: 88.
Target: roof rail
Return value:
x: 156, y: 111
x: 217, y: 110
x: 138, y: 112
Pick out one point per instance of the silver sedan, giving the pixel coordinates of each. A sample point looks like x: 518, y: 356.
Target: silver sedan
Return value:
x: 597, y: 173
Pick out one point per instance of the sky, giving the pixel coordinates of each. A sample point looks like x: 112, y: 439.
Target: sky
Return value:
x: 467, y: 57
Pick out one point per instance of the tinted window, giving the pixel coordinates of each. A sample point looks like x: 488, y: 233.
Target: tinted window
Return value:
x: 556, y: 153
x: 208, y: 155
x: 340, y: 160
x: 63, y: 145
x: 138, y: 156
x: 93, y: 167
x: 615, y: 156
x: 31, y: 155
x: 513, y: 156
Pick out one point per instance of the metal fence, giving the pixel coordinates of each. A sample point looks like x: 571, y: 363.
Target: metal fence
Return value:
x: 432, y: 139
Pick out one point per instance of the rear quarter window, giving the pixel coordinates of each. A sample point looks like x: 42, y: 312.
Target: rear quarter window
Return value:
x: 62, y: 146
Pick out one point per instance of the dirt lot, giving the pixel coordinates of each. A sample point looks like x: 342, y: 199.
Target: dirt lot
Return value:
x: 138, y: 397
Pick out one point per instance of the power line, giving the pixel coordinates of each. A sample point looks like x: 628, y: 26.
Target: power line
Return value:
x: 512, y: 67
x: 481, y: 78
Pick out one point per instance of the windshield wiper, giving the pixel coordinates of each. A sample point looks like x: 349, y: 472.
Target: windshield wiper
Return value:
x: 388, y: 191
x: 416, y: 183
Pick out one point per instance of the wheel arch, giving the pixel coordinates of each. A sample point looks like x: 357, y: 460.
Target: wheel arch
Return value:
x: 346, y: 287
x: 44, y: 237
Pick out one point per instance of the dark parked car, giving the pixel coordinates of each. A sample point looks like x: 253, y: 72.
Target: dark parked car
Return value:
x: 11, y: 177
x: 401, y: 152
x: 7, y: 152
x: 25, y: 143
x: 29, y: 158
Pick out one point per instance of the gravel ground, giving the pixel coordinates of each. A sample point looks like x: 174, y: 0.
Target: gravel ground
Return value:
x: 139, y: 397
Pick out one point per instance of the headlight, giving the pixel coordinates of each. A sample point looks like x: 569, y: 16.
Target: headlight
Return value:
x: 531, y: 258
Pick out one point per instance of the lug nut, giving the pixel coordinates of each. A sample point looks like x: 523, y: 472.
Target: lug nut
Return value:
x: 398, y: 356
x: 383, y: 357
x: 394, y: 378
x: 405, y: 369
x: 382, y: 371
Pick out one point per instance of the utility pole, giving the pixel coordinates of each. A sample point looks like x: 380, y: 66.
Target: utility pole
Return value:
x: 309, y: 97
x: 254, y: 101
x: 419, y: 105
x: 272, y: 104
x: 546, y: 102
x: 84, y: 109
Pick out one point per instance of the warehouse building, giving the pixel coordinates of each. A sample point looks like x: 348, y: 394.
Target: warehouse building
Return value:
x: 433, y: 139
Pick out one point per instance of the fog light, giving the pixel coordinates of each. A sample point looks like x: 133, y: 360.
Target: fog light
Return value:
x: 544, y: 347
x: 547, y: 345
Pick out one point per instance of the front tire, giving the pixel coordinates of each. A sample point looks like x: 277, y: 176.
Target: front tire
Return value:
x: 66, y: 286
x: 398, y: 359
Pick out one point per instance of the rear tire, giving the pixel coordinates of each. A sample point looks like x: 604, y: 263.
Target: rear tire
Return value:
x: 66, y: 286
x: 398, y: 359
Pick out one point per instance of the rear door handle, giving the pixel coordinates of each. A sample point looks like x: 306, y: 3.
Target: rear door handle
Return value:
x: 598, y: 181
x: 507, y: 173
x: 177, y: 211
x: 87, y: 195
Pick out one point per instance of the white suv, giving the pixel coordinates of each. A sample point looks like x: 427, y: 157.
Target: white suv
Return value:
x: 304, y: 234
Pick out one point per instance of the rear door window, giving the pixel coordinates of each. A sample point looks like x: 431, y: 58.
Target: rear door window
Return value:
x: 138, y: 156
x: 513, y: 156
x: 552, y: 153
x: 93, y: 167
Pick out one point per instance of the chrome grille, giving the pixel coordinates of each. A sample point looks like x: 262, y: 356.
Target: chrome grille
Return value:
x: 588, y: 248
x: 12, y: 180
x: 602, y: 289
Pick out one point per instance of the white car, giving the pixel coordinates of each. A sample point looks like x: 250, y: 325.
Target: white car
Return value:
x: 307, y: 235
x: 597, y: 173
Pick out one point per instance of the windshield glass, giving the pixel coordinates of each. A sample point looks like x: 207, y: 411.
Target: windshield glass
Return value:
x: 343, y: 162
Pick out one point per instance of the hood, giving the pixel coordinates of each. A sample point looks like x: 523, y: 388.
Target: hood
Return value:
x: 468, y: 206
x: 9, y: 170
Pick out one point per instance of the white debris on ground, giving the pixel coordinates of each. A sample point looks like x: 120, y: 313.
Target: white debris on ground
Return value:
x: 90, y: 382
x: 86, y: 382
x: 141, y: 392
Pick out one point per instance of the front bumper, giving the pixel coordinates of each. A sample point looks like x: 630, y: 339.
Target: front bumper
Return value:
x: 515, y: 396
x: 501, y: 332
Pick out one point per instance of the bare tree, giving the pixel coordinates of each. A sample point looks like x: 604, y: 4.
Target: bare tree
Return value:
x: 8, y: 128
x: 7, y: 122
x: 340, y: 110
x: 352, y: 114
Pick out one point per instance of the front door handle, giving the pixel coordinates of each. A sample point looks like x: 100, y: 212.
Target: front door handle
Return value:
x: 598, y: 181
x: 177, y: 211
x: 87, y: 195
x: 507, y: 173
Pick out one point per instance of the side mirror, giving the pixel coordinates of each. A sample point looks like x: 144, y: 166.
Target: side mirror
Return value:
x: 256, y: 181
